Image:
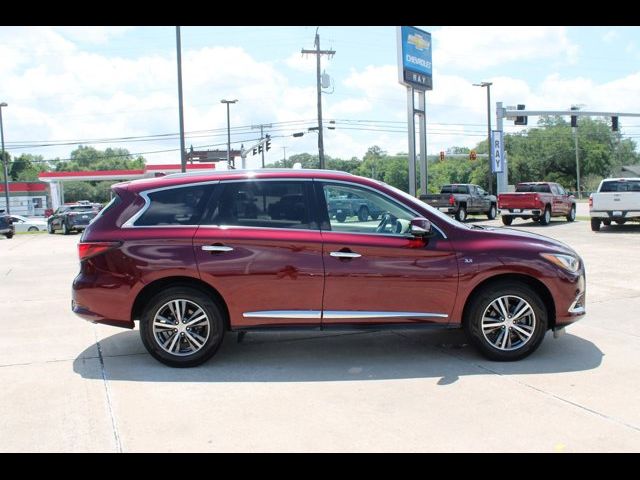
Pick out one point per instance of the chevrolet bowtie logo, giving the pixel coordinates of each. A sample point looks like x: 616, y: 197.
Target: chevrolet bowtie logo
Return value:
x: 418, y: 41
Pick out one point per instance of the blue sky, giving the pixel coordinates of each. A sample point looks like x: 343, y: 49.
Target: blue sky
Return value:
x: 80, y: 84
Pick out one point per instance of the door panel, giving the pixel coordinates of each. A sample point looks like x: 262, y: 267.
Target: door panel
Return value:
x: 267, y: 270
x: 376, y: 273
x: 260, y: 247
x: 391, y: 275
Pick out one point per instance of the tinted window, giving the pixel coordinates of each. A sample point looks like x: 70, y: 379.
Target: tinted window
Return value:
x: 259, y: 203
x: 175, y: 206
x: 621, y: 186
x: 360, y: 210
x: 530, y: 187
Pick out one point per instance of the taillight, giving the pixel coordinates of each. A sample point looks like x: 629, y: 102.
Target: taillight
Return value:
x: 452, y: 200
x: 91, y: 249
x: 590, y: 202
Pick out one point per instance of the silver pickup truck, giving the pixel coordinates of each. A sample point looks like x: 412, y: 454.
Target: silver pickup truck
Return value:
x: 617, y: 200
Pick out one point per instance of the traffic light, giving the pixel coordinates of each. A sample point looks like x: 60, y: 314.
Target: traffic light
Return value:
x: 441, y: 156
x: 472, y: 155
x: 574, y: 118
x: 255, y: 151
x: 268, y: 144
x: 614, y: 124
x: 259, y: 148
x: 520, y: 120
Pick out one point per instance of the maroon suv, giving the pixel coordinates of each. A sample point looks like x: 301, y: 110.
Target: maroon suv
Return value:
x: 193, y: 256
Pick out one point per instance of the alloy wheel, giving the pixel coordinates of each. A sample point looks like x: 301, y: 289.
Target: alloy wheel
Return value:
x: 181, y: 327
x: 508, y: 323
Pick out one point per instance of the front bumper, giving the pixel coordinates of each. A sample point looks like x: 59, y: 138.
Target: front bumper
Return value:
x: 573, y: 307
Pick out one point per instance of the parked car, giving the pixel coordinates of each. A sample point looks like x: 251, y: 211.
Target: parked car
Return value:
x: 6, y: 225
x: 460, y: 199
x: 538, y: 201
x: 73, y: 217
x: 616, y: 200
x: 24, y: 224
x: 344, y: 205
x: 175, y: 254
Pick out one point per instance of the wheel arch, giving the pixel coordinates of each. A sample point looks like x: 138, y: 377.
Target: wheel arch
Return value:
x: 151, y: 289
x: 535, y: 284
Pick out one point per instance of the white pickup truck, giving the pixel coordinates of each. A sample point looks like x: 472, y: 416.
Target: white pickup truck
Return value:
x: 617, y: 200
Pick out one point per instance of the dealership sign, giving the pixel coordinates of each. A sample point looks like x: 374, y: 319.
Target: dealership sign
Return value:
x: 414, y: 58
x: 497, y: 151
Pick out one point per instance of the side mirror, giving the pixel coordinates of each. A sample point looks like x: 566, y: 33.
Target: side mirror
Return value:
x: 421, y: 227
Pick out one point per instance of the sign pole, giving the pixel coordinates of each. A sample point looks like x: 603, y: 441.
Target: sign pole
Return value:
x: 411, y: 122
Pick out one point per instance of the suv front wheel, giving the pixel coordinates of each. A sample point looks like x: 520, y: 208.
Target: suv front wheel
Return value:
x: 506, y: 321
x: 181, y: 327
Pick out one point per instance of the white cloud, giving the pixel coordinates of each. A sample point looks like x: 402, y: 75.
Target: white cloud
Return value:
x: 476, y: 48
x: 611, y: 36
x: 94, y: 34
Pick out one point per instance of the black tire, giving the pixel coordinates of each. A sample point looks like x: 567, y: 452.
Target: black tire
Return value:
x: 363, y: 213
x: 595, y: 224
x: 480, y: 307
x: 33, y: 229
x: 571, y: 217
x: 216, y: 327
x: 341, y: 217
x: 461, y: 214
x: 606, y: 222
x: 545, y: 218
x: 50, y: 228
x: 9, y: 235
x: 507, y: 220
x: 65, y: 230
x: 621, y: 222
x: 491, y: 214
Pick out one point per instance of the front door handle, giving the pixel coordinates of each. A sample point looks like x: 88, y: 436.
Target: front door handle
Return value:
x: 345, y: 254
x: 216, y: 248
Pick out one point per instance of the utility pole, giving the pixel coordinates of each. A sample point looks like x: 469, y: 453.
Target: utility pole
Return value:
x: 4, y: 162
x: 575, y: 136
x: 284, y: 159
x: 317, y: 52
x: 183, y: 158
x: 261, y: 127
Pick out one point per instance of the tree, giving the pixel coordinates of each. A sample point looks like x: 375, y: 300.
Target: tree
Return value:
x: 26, y: 168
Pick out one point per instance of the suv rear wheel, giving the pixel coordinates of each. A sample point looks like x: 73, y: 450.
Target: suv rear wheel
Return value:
x: 506, y: 321
x: 181, y: 327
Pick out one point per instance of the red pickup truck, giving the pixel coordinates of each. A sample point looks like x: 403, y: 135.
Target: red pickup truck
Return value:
x: 537, y: 200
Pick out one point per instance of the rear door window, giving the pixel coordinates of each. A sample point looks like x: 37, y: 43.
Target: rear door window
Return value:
x: 264, y: 204
x: 175, y: 206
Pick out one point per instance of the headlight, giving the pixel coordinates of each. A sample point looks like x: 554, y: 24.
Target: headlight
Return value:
x: 568, y: 262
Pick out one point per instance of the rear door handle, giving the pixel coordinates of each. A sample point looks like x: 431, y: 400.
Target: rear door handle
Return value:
x: 216, y: 248
x: 345, y: 254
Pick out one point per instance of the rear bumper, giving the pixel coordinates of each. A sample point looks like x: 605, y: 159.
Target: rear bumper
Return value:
x: 95, y: 298
x: 524, y: 212
x: 615, y: 214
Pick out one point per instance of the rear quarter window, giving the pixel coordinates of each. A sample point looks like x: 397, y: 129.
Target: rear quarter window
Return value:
x: 175, y: 206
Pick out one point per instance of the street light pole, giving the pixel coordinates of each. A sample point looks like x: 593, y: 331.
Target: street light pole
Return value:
x: 575, y: 136
x: 183, y: 158
x: 229, y: 163
x: 488, y: 85
x: 4, y: 162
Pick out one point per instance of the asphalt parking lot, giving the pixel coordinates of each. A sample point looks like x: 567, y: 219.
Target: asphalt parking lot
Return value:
x: 71, y: 386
